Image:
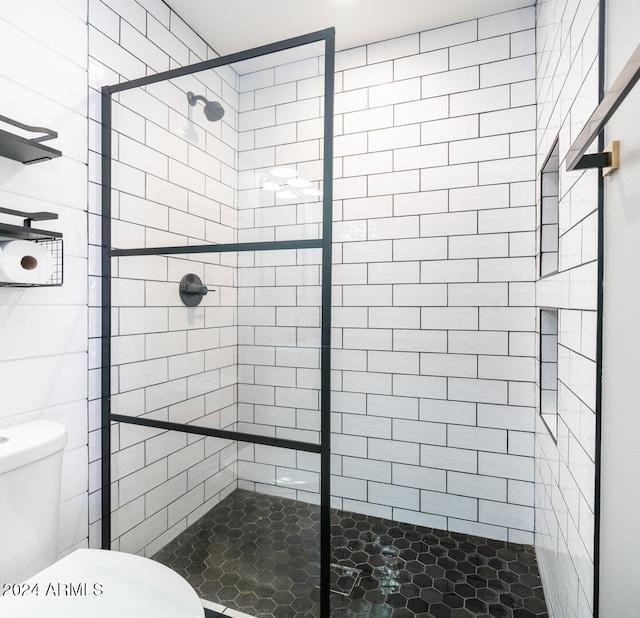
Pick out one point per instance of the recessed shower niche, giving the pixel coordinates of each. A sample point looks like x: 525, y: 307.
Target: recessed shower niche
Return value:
x: 221, y: 172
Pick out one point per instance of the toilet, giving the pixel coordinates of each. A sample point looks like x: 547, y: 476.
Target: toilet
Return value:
x: 87, y: 582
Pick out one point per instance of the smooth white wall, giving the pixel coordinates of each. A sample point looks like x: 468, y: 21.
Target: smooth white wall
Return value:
x: 619, y: 570
x: 43, y: 331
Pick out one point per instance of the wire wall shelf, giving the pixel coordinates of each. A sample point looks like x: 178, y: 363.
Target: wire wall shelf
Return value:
x: 47, y: 239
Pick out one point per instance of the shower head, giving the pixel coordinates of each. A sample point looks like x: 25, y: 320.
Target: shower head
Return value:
x: 212, y: 109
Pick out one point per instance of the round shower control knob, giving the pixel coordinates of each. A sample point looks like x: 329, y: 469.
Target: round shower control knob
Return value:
x: 192, y: 290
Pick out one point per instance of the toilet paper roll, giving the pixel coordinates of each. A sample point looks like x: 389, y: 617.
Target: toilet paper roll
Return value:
x: 22, y: 261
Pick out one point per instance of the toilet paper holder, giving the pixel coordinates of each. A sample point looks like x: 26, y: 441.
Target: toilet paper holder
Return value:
x: 48, y: 239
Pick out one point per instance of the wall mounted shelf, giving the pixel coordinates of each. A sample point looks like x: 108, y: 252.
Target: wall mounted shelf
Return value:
x: 25, y: 231
x: 25, y: 150
x: 18, y: 232
x: 49, y: 239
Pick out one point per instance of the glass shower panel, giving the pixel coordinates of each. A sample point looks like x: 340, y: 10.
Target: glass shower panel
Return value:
x: 162, y: 483
x: 238, y: 521
x: 279, y: 313
x: 174, y: 175
x: 247, y: 358
x: 169, y: 361
x: 215, y: 176
x: 280, y: 147
x: 219, y: 156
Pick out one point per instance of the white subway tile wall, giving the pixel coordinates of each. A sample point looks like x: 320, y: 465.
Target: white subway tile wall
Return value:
x: 248, y: 357
x: 567, y: 45
x: 174, y: 183
x: 280, y: 163
x: 434, y: 219
x: 419, y: 341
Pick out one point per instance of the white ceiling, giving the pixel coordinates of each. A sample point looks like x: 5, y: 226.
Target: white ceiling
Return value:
x: 230, y: 26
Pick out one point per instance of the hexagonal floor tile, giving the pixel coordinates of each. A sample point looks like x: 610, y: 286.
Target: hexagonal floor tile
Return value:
x: 259, y: 554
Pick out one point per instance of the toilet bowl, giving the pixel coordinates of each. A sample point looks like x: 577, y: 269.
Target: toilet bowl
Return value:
x: 101, y: 584
x: 88, y: 582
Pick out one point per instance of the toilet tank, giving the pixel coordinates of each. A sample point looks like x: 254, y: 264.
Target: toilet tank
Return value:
x: 30, y: 469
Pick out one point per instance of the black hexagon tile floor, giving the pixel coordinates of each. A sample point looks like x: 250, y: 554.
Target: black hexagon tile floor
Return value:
x: 259, y: 554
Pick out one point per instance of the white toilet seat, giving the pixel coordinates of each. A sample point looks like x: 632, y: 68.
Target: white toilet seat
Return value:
x: 103, y: 584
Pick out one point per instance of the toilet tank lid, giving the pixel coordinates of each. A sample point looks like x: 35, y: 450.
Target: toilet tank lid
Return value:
x: 30, y: 442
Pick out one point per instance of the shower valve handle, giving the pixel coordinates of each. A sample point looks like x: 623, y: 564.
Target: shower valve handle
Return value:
x: 192, y: 290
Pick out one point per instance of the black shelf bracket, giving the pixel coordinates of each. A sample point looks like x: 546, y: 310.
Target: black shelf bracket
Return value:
x: 25, y: 150
x: 621, y: 87
x: 29, y: 216
x: 608, y: 160
x: 25, y: 231
x: 599, y: 160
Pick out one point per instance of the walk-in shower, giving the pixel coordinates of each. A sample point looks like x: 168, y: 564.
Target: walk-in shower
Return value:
x: 217, y: 413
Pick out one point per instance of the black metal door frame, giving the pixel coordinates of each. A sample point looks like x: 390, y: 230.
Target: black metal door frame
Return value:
x: 324, y: 243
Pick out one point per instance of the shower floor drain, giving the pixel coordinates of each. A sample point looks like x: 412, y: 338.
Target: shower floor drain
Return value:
x: 343, y: 579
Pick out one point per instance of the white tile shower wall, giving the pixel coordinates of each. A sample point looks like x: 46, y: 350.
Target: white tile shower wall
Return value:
x: 43, y: 81
x: 567, y: 93
x: 433, y: 273
x: 174, y: 183
x: 279, y: 368
x: 281, y: 126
